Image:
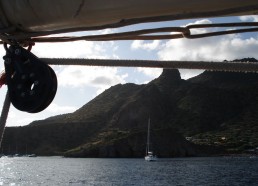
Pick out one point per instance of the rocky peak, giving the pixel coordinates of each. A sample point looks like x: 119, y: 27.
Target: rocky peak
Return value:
x: 170, y: 75
x: 170, y: 78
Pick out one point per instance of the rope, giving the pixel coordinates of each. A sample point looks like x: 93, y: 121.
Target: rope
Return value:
x: 202, y: 65
x: 4, y: 115
x: 145, y: 34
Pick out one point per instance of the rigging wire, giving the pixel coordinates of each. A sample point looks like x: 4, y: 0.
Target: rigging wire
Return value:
x: 144, y: 34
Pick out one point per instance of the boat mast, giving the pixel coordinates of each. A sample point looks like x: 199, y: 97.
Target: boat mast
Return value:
x: 148, y: 138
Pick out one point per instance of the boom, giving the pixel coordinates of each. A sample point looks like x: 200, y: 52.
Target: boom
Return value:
x: 19, y: 17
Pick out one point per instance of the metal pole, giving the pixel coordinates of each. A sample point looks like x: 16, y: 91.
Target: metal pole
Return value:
x: 4, y: 115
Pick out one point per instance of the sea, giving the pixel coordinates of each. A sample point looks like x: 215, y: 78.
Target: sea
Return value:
x: 215, y: 171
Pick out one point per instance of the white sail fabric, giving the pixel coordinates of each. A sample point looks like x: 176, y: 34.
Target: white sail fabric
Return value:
x: 47, y: 15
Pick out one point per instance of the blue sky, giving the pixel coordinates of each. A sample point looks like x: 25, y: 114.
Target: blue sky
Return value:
x: 78, y: 85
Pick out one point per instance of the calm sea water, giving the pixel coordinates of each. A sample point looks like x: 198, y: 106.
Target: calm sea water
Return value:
x: 178, y: 171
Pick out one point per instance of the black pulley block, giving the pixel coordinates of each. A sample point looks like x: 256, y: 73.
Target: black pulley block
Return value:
x: 31, y: 83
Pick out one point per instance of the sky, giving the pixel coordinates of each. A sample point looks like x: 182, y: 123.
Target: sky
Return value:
x: 77, y: 85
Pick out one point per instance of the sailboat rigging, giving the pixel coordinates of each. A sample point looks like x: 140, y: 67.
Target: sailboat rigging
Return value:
x: 149, y: 154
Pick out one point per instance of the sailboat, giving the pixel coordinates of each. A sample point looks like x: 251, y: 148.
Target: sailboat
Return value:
x: 149, y: 154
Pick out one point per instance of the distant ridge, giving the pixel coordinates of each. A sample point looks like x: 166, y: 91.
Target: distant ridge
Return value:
x: 212, y: 113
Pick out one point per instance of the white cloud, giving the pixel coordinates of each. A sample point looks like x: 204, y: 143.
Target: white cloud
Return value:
x: 201, y: 30
x: 249, y: 18
x: 228, y: 47
x: 96, y: 77
x: 18, y: 118
x: 186, y: 74
x: 81, y: 76
x: 78, y: 49
x: 202, y: 21
x: 149, y: 46
x: 57, y: 109
x: 150, y: 72
x: 211, y: 49
x: 107, y: 31
x: 73, y: 76
x: 20, y: 121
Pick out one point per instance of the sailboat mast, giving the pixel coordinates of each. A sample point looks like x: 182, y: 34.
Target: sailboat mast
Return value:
x: 148, y: 137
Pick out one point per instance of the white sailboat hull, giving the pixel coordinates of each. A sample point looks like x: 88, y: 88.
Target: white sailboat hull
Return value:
x: 151, y: 158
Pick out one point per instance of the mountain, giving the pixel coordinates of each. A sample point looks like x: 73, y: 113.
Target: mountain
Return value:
x: 214, y: 112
